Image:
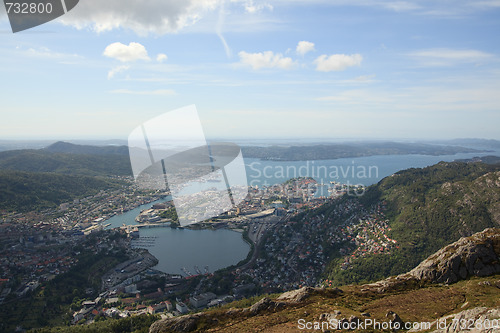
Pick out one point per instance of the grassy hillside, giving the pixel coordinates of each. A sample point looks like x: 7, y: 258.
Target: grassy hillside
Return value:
x: 427, y: 209
x: 349, y: 303
x: 135, y: 324
x: 25, y: 191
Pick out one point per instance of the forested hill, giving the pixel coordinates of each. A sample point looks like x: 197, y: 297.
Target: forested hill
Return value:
x: 433, y: 206
x: 427, y: 209
x: 40, y: 178
x: 349, y: 149
x: 70, y: 148
x: 25, y: 191
x: 45, y: 160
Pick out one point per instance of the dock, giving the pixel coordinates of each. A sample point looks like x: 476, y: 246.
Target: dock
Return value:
x: 152, y: 225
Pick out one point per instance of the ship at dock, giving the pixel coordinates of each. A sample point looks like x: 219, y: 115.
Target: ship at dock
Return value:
x: 148, y: 216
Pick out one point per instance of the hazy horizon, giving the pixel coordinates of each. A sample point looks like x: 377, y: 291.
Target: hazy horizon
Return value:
x: 252, y: 141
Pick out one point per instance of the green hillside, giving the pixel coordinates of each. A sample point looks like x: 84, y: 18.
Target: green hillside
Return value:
x: 427, y: 209
x: 65, y: 163
x: 25, y: 191
x: 66, y: 147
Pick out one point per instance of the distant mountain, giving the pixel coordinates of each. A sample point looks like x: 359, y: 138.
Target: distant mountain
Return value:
x: 485, y: 159
x: 25, y: 191
x: 478, y: 143
x: 71, y: 163
x: 70, y: 158
x: 70, y: 148
x: 293, y: 153
x: 38, y: 178
x: 347, y: 150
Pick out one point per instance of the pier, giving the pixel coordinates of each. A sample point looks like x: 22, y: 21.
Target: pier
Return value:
x: 152, y: 225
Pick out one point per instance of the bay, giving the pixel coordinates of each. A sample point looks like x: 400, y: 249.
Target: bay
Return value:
x: 178, y: 248
x: 354, y: 171
x: 184, y: 248
x: 128, y: 218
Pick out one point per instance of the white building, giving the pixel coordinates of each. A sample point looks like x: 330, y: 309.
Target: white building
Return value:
x: 181, y: 307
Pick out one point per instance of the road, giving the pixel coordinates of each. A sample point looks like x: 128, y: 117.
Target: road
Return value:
x: 256, y: 231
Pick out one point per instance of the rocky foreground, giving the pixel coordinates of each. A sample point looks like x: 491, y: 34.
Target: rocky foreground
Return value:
x: 457, y: 289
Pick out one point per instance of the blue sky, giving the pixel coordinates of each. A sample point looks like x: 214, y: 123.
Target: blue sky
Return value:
x: 257, y: 69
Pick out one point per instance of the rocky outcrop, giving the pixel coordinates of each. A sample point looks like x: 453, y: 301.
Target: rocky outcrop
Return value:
x: 477, y: 255
x: 189, y: 323
x: 265, y: 304
x: 394, y: 318
x: 296, y: 296
x: 335, y: 315
x: 186, y: 323
x: 477, y: 320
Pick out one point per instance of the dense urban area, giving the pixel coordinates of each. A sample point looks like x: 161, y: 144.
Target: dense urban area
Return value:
x: 38, y: 247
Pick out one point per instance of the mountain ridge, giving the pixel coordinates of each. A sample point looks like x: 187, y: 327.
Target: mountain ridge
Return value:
x: 71, y: 148
x: 348, y: 150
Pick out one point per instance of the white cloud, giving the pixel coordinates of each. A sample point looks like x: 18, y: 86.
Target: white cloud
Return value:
x: 117, y: 70
x: 159, y: 92
x: 161, y: 57
x: 44, y: 52
x: 142, y: 17
x: 362, y: 79
x: 126, y: 53
x: 266, y: 59
x: 152, y: 16
x: 359, y: 97
x: 304, y: 47
x: 486, y: 3
x: 218, y: 30
x: 167, y: 16
x: 251, y: 7
x: 400, y: 6
x: 337, y: 62
x: 449, y: 57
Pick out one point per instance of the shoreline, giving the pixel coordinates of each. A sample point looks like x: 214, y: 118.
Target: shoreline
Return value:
x: 244, y: 236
